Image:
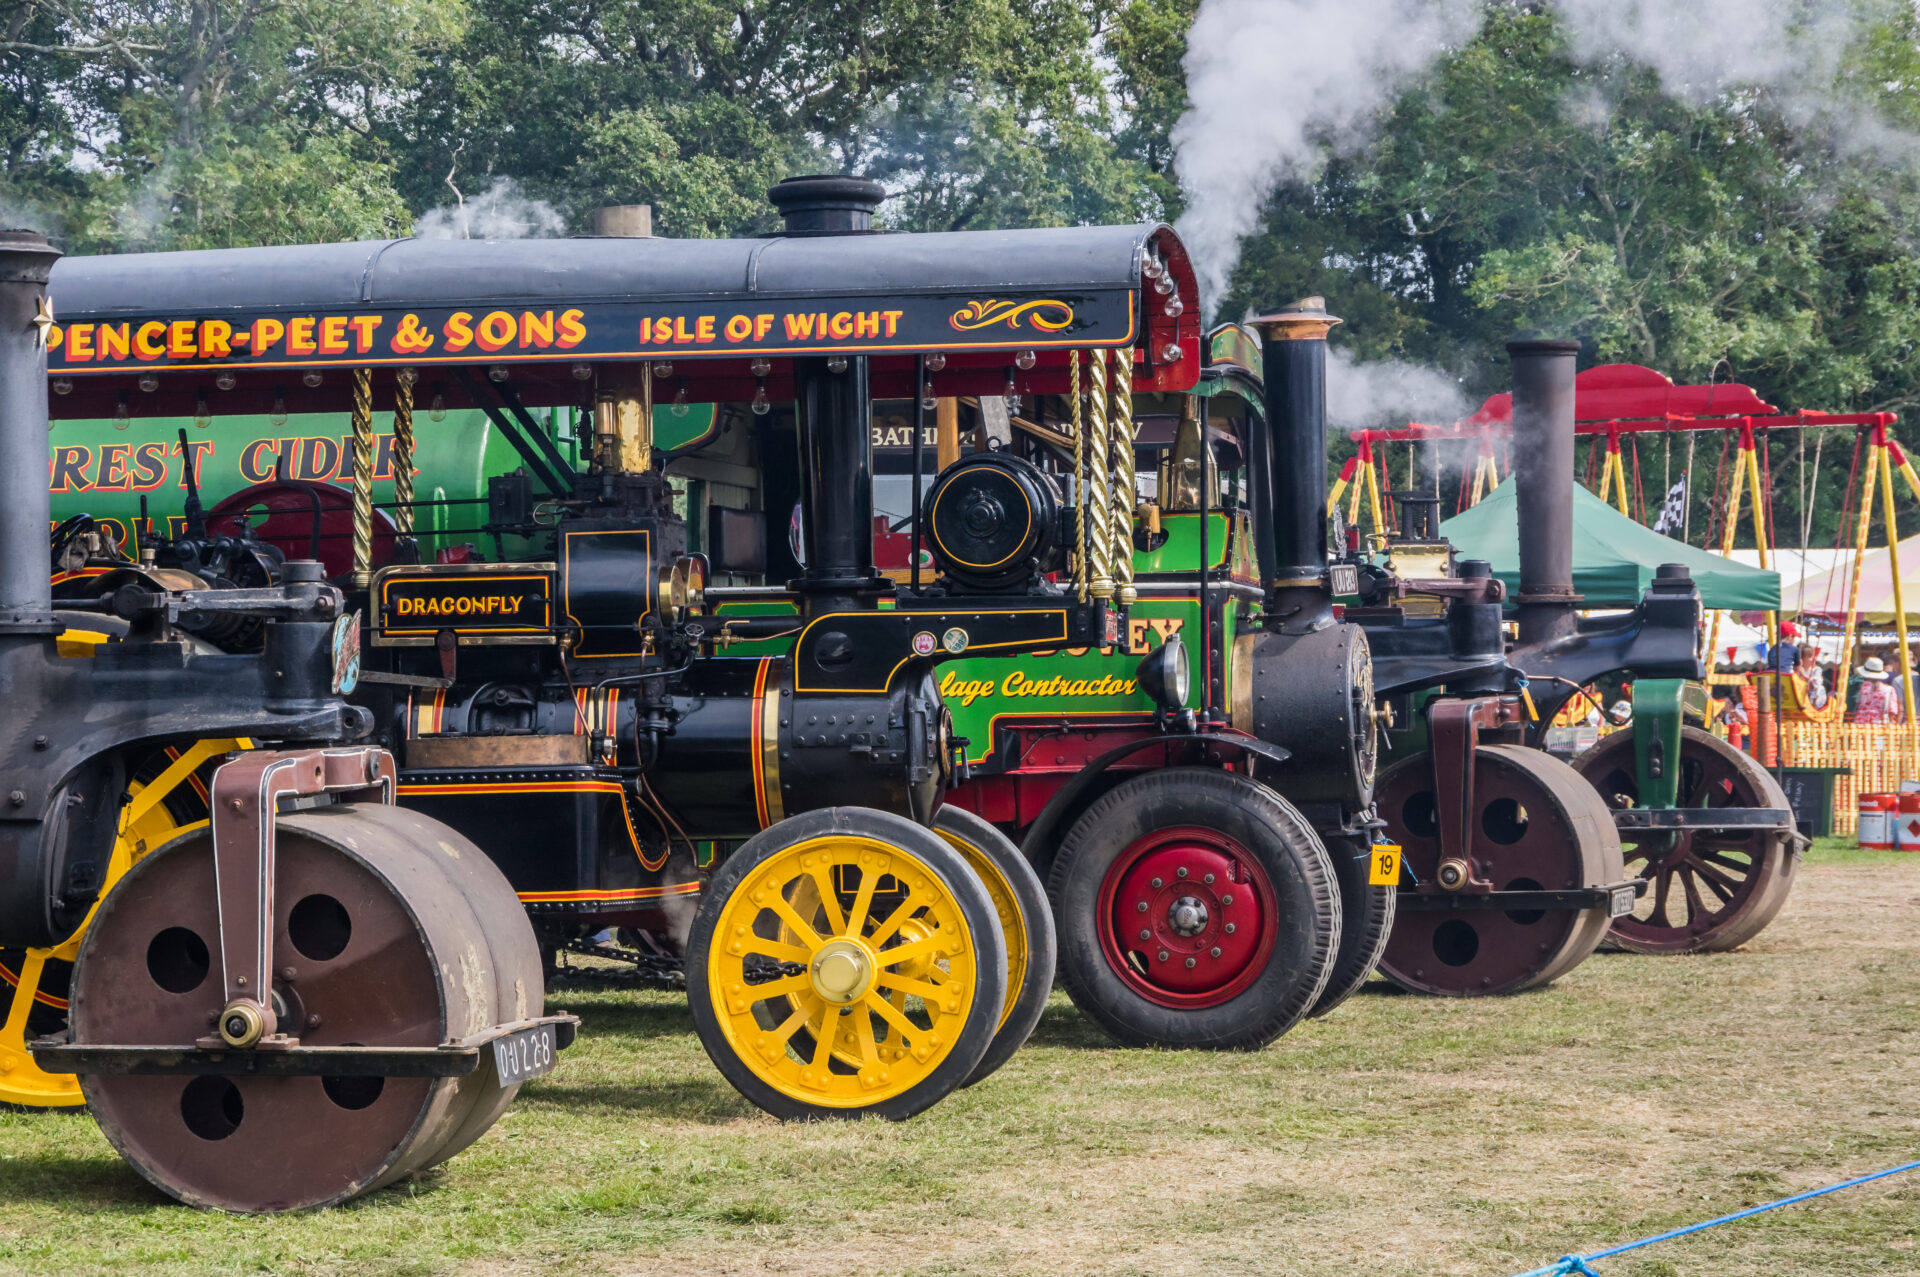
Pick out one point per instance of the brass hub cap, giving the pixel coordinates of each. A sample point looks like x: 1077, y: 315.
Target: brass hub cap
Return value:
x: 842, y: 971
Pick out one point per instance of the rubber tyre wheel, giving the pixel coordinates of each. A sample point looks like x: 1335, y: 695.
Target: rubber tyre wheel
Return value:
x: 1366, y: 920
x: 975, y: 905
x: 1285, y: 846
x: 1026, y: 1003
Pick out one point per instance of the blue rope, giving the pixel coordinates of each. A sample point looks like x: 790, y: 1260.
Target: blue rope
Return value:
x: 1576, y: 1265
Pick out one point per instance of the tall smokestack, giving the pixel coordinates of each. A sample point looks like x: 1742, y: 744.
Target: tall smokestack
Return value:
x: 1295, y: 361
x: 834, y: 409
x: 26, y: 592
x: 1543, y: 472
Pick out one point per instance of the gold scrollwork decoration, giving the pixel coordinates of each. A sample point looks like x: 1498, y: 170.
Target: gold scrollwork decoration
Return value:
x: 1046, y: 314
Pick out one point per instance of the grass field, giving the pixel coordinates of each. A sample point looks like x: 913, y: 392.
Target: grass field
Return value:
x: 1400, y: 1135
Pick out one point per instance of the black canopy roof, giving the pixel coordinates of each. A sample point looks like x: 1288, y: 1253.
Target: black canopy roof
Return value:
x: 726, y: 313
x: 495, y: 273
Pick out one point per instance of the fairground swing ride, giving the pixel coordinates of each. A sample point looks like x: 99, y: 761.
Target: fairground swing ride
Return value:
x: 574, y: 705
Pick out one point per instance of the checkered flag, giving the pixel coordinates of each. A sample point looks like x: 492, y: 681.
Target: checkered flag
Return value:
x: 1672, y: 510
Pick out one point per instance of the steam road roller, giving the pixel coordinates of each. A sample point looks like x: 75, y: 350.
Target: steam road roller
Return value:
x: 281, y: 990
x: 1516, y: 863
x: 660, y: 682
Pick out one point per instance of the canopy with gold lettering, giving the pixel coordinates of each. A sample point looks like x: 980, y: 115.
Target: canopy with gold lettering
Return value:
x: 160, y: 333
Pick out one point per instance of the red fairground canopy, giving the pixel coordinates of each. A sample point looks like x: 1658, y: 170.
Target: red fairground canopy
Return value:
x: 1622, y: 399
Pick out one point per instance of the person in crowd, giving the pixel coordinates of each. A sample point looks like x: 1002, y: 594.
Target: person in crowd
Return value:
x: 1879, y: 702
x: 1808, y: 671
x: 1785, y: 655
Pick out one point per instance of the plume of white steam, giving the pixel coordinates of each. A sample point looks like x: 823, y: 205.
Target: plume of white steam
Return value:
x: 499, y: 212
x: 1389, y: 393
x: 1702, y: 49
x: 1270, y: 84
x: 1274, y: 85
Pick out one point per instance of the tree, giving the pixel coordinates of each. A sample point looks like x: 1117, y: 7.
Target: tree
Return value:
x: 194, y: 123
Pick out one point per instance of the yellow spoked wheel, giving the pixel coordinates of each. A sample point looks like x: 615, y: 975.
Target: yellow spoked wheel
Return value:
x: 165, y: 795
x: 846, y: 962
x: 1026, y: 925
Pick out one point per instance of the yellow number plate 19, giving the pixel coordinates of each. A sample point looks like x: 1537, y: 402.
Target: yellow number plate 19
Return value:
x: 1385, y: 869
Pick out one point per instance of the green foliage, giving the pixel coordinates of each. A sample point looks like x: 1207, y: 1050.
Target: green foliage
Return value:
x: 1739, y: 238
x: 191, y: 124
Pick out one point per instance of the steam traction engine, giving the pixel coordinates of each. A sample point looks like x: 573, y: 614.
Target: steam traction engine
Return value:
x: 222, y: 1004
x: 1199, y: 795
x: 579, y: 711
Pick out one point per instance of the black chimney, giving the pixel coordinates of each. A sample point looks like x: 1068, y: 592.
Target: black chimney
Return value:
x: 1295, y: 360
x: 833, y: 411
x: 1543, y: 475
x: 26, y: 593
x: 827, y: 204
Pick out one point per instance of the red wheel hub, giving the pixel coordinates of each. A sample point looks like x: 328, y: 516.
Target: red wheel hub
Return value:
x: 1187, y: 917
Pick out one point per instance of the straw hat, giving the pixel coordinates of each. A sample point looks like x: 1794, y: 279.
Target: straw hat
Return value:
x: 1873, y: 668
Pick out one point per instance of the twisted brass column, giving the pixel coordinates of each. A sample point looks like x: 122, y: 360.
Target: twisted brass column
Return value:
x: 362, y: 478
x: 1120, y: 468
x: 1079, y: 474
x: 1097, y: 491
x: 403, y: 451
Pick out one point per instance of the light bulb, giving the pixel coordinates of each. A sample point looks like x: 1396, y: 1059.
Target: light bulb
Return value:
x: 202, y: 417
x: 680, y: 402
x: 1163, y: 285
x: 836, y: 364
x: 149, y: 382
x: 760, y: 405
x: 120, y: 418
x: 663, y: 369
x: 1174, y: 307
x: 497, y: 372
x: 311, y: 378
x: 224, y: 379
x: 63, y: 385
x: 583, y: 372
x: 1023, y: 360
x: 936, y: 362
x: 927, y: 400
x: 1170, y: 353
x: 760, y: 367
x: 278, y: 417
x: 438, y: 409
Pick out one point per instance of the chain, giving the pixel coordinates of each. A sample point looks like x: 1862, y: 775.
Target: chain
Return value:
x: 647, y: 968
x: 654, y: 968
